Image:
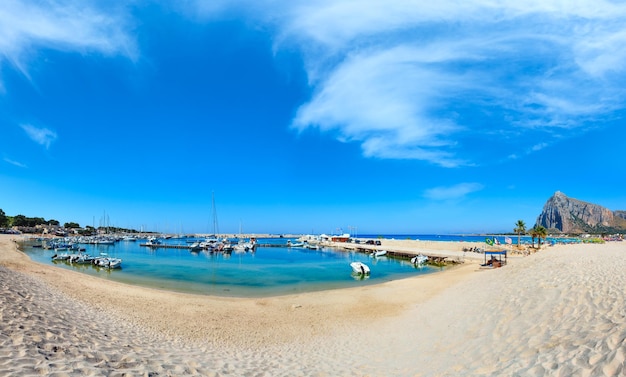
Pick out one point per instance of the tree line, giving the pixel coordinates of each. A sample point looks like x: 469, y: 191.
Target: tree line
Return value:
x: 31, y: 222
x: 25, y: 221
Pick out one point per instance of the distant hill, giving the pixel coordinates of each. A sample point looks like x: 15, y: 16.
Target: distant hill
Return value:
x: 568, y: 215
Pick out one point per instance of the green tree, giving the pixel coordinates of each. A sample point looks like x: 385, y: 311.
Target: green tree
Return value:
x: 542, y: 233
x: 533, y: 235
x: 71, y: 225
x: 4, y: 220
x: 20, y: 220
x: 520, y: 228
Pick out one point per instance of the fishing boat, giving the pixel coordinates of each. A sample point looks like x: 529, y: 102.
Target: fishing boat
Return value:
x: 419, y: 259
x: 360, y: 268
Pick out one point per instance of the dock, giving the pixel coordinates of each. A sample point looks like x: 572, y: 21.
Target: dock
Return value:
x: 165, y: 246
x: 450, y: 253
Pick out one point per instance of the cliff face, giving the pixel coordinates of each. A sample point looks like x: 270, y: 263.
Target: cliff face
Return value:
x: 575, y: 216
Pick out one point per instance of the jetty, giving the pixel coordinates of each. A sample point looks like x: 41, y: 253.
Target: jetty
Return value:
x: 165, y: 246
x: 436, y: 251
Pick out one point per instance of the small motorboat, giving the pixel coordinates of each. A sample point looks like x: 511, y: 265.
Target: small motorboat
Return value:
x: 107, y: 262
x: 419, y: 259
x: 360, y: 268
x: 61, y: 256
x: 379, y: 253
x: 81, y: 259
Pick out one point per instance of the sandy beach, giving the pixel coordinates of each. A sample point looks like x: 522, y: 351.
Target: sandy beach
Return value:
x: 558, y: 312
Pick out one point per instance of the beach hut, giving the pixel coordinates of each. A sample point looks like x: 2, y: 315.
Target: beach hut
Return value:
x: 495, y: 259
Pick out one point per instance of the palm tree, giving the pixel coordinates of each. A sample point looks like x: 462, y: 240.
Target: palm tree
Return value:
x: 533, y: 234
x: 520, y: 228
x: 542, y: 232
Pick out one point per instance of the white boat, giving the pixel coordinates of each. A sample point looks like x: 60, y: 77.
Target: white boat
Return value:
x: 195, y: 246
x: 379, y: 253
x: 115, y: 263
x: 61, y: 256
x: 298, y: 244
x: 108, y: 262
x: 104, y: 241
x: 360, y: 268
x: 81, y: 258
x: 419, y: 259
x: 153, y: 242
x: 245, y: 245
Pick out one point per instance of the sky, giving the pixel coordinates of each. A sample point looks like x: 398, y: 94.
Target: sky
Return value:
x: 317, y: 116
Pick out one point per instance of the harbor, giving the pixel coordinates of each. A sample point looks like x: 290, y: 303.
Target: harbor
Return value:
x: 275, y: 265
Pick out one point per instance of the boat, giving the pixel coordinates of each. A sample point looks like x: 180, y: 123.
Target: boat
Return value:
x: 195, y: 247
x: 379, y: 253
x: 115, y: 263
x: 360, y: 268
x: 61, y: 256
x: 153, y: 242
x: 243, y: 245
x: 419, y: 259
x: 104, y: 241
x: 81, y: 258
x: 108, y: 262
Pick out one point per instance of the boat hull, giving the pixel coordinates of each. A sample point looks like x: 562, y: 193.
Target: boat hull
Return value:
x: 360, y: 268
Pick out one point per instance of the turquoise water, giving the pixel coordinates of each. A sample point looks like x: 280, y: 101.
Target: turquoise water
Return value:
x: 267, y: 272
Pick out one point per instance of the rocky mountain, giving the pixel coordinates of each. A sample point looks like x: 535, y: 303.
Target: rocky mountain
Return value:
x: 569, y: 215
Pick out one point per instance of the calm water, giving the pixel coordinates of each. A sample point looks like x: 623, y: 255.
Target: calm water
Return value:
x: 268, y: 271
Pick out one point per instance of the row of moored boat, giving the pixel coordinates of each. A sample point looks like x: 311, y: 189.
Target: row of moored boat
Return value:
x: 81, y: 258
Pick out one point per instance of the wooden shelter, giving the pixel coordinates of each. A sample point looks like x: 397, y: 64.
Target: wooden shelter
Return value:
x: 495, y: 259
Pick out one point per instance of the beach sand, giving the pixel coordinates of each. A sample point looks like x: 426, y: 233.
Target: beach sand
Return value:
x: 559, y: 312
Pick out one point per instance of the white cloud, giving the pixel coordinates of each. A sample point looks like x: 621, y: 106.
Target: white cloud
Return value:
x: 406, y: 79
x: 15, y: 163
x: 78, y: 26
x: 453, y: 192
x: 42, y: 136
x: 409, y: 79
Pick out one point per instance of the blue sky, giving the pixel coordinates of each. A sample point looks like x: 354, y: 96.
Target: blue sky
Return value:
x: 310, y: 116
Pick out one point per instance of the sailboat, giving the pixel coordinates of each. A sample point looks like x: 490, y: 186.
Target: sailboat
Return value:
x: 243, y: 245
x: 212, y: 242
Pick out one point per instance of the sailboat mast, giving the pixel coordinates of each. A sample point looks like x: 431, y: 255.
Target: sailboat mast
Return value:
x: 215, y: 227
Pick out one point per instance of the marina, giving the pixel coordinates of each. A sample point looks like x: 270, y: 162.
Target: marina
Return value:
x: 274, y: 266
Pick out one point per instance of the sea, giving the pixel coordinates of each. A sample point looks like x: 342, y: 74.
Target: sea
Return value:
x: 272, y: 270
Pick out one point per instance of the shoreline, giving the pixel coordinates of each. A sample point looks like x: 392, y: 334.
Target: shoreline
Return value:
x: 249, y: 309
x: 557, y: 312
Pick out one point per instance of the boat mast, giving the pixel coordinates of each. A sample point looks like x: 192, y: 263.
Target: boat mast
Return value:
x: 215, y: 227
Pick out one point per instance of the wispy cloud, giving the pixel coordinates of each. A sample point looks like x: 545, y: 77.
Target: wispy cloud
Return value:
x: 452, y: 192
x: 26, y: 25
x: 428, y: 80
x: 15, y: 163
x: 42, y: 136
